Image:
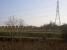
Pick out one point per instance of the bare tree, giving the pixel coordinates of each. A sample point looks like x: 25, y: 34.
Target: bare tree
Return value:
x: 11, y: 21
x: 21, y: 22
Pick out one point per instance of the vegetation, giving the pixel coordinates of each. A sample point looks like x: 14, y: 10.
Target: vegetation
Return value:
x: 50, y: 30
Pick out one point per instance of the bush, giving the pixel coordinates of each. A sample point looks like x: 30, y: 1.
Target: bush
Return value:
x: 65, y: 33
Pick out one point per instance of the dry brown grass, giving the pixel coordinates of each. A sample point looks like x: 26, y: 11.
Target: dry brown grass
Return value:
x: 30, y: 44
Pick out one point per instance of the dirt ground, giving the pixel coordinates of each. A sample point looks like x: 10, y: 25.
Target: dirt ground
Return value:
x: 32, y: 44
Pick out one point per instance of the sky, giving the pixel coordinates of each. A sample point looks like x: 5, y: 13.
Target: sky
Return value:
x: 33, y: 12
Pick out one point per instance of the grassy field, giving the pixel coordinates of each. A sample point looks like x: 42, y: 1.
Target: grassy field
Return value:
x: 34, y: 40
x: 43, y: 35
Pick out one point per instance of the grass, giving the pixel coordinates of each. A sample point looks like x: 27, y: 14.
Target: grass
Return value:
x: 31, y: 34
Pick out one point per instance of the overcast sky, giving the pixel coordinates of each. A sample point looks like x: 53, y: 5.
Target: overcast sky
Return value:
x: 33, y: 12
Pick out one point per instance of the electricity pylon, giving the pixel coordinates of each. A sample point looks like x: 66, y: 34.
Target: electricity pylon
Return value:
x: 57, y: 19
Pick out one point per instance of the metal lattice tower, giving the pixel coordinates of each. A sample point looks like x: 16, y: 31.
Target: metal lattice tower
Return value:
x: 57, y: 19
